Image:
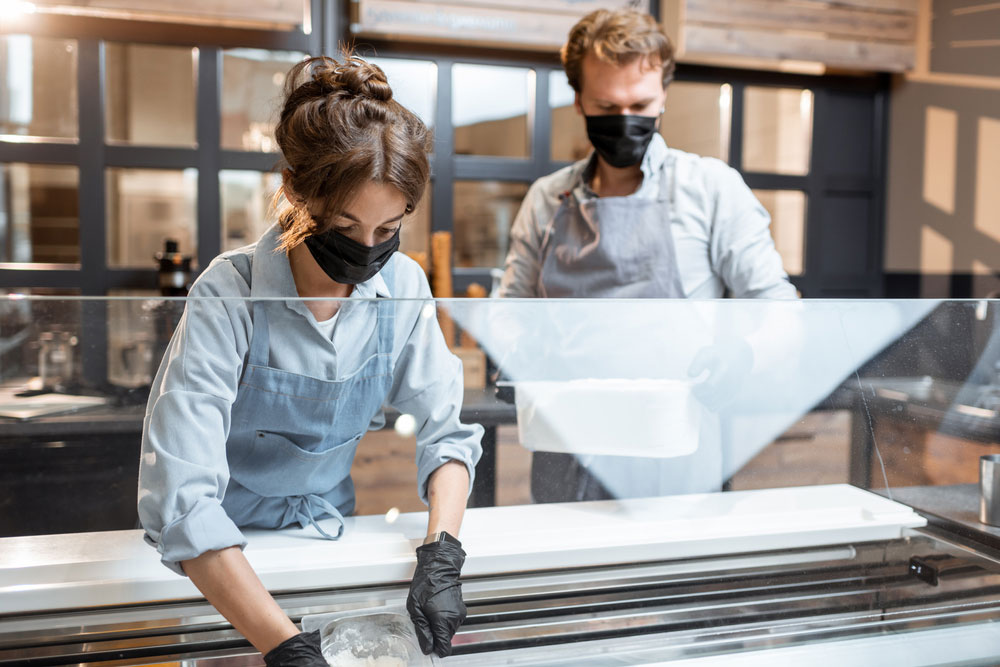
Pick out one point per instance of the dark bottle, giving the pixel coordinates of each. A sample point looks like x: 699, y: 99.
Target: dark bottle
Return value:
x: 174, y: 270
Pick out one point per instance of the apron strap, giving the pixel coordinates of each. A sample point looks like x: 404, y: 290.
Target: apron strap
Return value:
x: 260, y: 341
x: 304, y: 508
x: 386, y: 314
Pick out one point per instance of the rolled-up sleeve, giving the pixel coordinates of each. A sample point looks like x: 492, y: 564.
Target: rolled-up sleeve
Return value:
x: 428, y: 385
x: 183, y: 471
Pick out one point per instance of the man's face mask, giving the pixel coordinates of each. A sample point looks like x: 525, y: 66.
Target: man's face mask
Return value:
x: 347, y: 261
x: 621, y: 140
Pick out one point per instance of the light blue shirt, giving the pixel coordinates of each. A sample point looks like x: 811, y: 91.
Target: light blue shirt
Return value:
x: 720, y: 230
x: 184, y: 472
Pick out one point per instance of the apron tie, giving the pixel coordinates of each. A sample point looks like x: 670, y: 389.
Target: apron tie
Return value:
x: 304, y: 509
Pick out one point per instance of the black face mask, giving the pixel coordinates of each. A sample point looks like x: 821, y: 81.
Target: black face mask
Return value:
x: 347, y: 261
x: 621, y: 140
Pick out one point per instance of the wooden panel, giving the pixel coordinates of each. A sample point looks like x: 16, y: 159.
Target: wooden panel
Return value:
x: 284, y: 12
x: 907, y: 6
x: 451, y: 23
x: 576, y: 7
x: 513, y: 24
x: 709, y: 40
x: 818, y: 17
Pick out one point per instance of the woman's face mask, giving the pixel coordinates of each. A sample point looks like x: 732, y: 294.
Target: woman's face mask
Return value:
x: 621, y: 140
x: 345, y: 260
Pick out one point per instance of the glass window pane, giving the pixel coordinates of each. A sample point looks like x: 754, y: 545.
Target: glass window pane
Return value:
x: 39, y: 213
x: 246, y: 205
x: 146, y: 207
x: 484, y: 212
x: 252, y: 80
x: 788, y: 226
x: 150, y: 94
x: 413, y: 83
x: 38, y: 93
x: 777, y: 130
x: 490, y: 109
x: 569, y: 134
x: 697, y: 118
x: 415, y: 235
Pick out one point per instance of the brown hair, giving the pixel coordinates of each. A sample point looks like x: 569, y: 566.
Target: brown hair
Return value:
x: 617, y: 37
x: 339, y: 128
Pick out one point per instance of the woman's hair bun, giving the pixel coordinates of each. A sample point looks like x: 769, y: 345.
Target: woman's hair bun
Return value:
x: 353, y: 76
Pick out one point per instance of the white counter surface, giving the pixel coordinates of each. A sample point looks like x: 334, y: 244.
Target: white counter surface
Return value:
x: 92, y: 569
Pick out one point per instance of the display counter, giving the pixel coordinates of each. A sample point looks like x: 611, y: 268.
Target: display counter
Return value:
x: 632, y: 417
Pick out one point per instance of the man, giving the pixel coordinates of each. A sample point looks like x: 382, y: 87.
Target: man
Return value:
x: 635, y: 218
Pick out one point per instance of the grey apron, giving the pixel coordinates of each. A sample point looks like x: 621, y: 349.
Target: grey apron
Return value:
x: 293, y: 437
x: 613, y: 247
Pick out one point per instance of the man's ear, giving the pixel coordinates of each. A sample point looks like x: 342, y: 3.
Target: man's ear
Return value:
x: 577, y: 105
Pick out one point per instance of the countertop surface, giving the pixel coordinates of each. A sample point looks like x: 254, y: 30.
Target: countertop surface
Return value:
x: 111, y: 568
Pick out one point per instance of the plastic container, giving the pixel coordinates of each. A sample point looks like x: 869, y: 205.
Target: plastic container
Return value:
x: 381, y: 637
x: 649, y: 418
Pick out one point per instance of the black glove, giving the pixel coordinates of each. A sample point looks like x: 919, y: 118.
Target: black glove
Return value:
x: 435, y: 600
x: 302, y: 650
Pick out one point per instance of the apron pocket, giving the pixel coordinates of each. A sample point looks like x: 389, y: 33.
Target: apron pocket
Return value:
x: 276, y: 467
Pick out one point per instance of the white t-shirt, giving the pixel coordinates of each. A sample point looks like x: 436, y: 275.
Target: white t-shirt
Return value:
x: 326, y: 326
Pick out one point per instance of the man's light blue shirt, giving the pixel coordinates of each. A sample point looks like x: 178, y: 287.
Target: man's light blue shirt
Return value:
x: 720, y: 231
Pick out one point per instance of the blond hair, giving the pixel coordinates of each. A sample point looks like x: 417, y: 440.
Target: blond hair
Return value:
x: 617, y: 37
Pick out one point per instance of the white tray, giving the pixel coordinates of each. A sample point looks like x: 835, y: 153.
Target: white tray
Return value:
x: 615, y: 417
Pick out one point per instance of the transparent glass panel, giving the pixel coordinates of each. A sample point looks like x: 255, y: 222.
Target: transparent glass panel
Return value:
x: 38, y: 91
x: 484, y: 212
x: 777, y: 130
x: 835, y: 426
x: 788, y: 226
x: 490, y: 110
x: 697, y: 118
x: 246, y: 205
x: 150, y: 94
x: 252, y: 81
x: 39, y: 213
x: 140, y: 325
x: 146, y: 207
x: 414, y: 85
x: 42, y: 347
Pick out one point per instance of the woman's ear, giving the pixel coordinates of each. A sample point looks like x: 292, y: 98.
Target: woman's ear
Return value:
x: 286, y: 187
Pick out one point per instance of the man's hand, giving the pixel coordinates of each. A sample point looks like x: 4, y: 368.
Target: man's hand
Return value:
x: 302, y: 650
x: 727, y: 365
x: 435, y: 601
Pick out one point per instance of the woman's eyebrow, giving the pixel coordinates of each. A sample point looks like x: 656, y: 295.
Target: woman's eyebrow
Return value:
x: 347, y: 215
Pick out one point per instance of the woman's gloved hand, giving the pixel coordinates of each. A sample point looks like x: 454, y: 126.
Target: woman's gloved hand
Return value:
x: 435, y: 601
x: 302, y: 650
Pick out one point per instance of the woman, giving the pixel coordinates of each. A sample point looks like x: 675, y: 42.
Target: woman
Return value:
x: 258, y: 405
